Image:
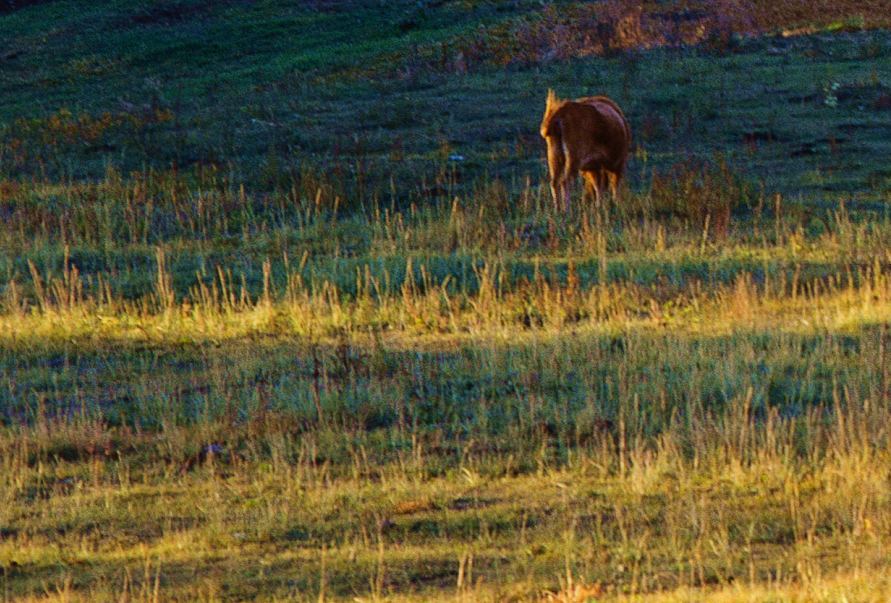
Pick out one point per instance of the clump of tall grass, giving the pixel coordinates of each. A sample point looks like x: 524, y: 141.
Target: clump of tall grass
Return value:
x: 706, y: 193
x: 413, y: 301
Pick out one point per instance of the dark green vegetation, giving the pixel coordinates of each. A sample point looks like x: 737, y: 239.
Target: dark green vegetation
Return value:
x: 269, y: 90
x: 186, y: 104
x: 286, y: 312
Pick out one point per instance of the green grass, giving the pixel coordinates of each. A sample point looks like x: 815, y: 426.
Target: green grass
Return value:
x: 280, y: 98
x: 641, y: 461
x: 265, y: 336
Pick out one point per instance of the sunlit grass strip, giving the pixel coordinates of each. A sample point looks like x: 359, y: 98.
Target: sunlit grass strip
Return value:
x: 859, y: 586
x: 704, y: 509
x: 324, y: 313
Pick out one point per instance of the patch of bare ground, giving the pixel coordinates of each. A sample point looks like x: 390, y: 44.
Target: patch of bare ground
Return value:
x: 574, y: 30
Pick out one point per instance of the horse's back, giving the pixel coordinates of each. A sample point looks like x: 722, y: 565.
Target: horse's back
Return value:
x: 610, y: 109
x: 596, y: 132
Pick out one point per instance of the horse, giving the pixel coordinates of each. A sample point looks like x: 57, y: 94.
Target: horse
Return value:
x: 589, y: 135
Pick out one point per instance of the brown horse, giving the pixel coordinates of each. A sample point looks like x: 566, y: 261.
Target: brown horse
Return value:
x: 588, y: 135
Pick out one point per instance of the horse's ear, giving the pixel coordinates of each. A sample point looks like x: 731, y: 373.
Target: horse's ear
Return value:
x: 552, y: 98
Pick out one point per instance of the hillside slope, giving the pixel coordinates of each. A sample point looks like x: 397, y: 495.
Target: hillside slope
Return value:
x: 395, y: 88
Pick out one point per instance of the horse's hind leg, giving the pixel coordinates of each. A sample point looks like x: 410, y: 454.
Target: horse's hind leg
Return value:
x: 604, y: 180
x: 555, y: 192
x: 556, y: 168
x: 592, y: 187
x: 613, y: 185
x: 560, y: 192
x: 571, y: 178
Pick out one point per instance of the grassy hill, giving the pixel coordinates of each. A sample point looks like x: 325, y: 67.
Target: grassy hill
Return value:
x: 396, y: 86
x: 286, y: 312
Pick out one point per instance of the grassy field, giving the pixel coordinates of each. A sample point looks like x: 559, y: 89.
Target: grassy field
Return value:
x: 286, y: 312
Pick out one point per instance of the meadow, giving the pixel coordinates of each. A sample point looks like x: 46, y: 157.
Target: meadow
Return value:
x: 287, y: 313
